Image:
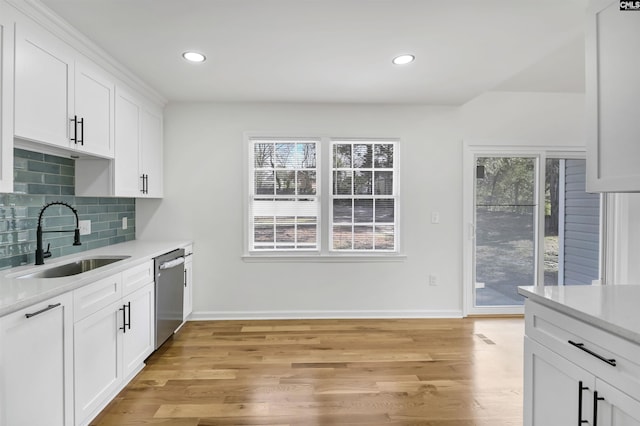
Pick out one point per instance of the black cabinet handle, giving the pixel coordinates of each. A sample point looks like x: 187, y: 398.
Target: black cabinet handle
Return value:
x: 48, y: 308
x: 596, y: 398
x: 81, y: 140
x: 145, y: 184
x: 185, y: 277
x: 74, y: 120
x: 581, y: 346
x: 580, y: 389
x: 124, y: 319
x: 129, y: 309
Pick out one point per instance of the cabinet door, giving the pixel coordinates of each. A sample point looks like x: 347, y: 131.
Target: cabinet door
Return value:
x: 557, y: 392
x: 98, y: 360
x: 43, y: 72
x: 151, y: 152
x: 94, y: 98
x: 139, y: 335
x: 612, y: 87
x: 188, y: 287
x: 6, y: 100
x: 36, y: 364
x: 616, y: 408
x: 127, y: 127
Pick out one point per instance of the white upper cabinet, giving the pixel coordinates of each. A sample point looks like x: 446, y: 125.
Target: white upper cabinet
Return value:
x: 613, y: 98
x: 151, y: 152
x: 127, y: 181
x: 60, y: 99
x: 94, y: 110
x: 6, y: 100
x: 43, y: 72
x: 138, y: 160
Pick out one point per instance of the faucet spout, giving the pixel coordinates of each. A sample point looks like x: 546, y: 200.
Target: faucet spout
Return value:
x: 40, y: 254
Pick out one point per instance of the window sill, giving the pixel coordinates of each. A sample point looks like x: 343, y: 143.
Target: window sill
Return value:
x: 326, y: 258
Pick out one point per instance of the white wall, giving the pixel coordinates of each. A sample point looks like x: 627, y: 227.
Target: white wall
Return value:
x: 204, y: 198
x: 536, y: 119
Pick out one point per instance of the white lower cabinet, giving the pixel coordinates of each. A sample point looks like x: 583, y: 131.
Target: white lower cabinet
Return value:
x: 139, y: 336
x: 97, y: 361
x: 557, y: 392
x: 576, y: 374
x: 36, y: 386
x: 112, y: 341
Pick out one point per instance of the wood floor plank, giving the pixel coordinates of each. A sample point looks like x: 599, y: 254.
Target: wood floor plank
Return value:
x: 400, y: 372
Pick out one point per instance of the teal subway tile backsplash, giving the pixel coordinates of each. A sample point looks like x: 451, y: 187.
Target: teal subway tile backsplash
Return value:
x: 40, y: 179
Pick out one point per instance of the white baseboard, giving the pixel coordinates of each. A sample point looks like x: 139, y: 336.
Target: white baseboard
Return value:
x: 270, y: 315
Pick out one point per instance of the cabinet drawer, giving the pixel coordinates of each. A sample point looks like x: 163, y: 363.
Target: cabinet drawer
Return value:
x: 137, y: 277
x: 586, y: 345
x: 93, y: 297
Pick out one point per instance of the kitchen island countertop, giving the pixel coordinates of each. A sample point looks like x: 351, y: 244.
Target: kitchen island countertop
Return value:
x: 613, y: 308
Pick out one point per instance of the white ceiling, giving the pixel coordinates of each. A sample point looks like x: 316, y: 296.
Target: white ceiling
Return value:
x: 339, y: 50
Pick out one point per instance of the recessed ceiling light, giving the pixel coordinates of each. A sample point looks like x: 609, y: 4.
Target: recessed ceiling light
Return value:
x: 194, y: 56
x: 403, y: 59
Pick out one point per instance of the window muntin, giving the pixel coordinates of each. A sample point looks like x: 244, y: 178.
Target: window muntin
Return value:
x: 364, y: 198
x: 284, y: 205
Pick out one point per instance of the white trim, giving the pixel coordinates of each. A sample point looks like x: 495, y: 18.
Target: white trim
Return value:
x: 616, y: 227
x: 562, y: 198
x: 319, y: 258
x: 365, y: 314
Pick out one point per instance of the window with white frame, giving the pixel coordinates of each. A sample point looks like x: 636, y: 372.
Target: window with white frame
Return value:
x: 363, y: 196
x: 284, y: 206
x: 285, y: 193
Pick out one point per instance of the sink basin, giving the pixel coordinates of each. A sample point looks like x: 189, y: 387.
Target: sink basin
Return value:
x: 74, y: 268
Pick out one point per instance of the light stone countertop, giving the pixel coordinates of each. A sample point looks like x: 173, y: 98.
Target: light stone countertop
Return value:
x: 613, y: 308
x: 18, y: 293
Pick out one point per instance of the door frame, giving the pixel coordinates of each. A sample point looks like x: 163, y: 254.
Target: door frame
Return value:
x: 472, y: 150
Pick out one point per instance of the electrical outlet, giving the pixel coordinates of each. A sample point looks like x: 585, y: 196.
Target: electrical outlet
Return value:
x: 433, y: 280
x: 124, y: 222
x: 435, y: 217
x: 85, y: 227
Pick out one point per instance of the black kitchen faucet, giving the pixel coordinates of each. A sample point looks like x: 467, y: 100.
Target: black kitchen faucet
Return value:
x: 40, y: 255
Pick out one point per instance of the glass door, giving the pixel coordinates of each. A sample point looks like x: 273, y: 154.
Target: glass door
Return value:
x: 506, y: 217
x: 531, y: 222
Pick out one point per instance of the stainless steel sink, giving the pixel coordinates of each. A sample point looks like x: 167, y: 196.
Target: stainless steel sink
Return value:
x: 74, y: 268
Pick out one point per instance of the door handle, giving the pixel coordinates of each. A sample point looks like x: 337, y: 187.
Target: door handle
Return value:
x: 48, y: 308
x: 124, y: 319
x: 129, y: 309
x: 74, y: 120
x: 81, y: 140
x: 580, y: 389
x: 596, y: 398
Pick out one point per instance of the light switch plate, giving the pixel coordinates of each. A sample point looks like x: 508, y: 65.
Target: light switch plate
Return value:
x: 85, y: 227
x: 124, y: 222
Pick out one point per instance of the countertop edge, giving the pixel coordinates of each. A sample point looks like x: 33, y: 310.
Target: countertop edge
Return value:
x: 140, y: 251
x: 574, y: 312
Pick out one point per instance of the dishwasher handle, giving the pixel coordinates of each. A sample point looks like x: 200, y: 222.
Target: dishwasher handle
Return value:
x: 172, y: 263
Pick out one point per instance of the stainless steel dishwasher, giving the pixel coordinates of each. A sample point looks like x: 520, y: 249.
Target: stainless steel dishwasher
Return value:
x: 169, y: 279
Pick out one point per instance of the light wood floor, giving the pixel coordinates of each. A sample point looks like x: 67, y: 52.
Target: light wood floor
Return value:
x: 434, y: 372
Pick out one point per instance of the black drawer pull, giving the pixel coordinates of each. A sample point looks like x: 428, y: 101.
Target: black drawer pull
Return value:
x: 596, y: 398
x: 580, y: 389
x: 48, y: 308
x: 580, y: 346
